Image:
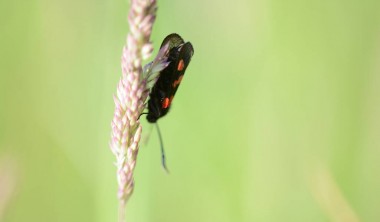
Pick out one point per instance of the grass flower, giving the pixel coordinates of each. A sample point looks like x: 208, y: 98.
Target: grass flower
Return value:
x: 132, y: 92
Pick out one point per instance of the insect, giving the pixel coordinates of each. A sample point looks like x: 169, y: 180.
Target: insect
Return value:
x: 163, y: 91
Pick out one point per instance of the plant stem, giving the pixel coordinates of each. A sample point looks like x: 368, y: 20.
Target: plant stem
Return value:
x: 121, y: 211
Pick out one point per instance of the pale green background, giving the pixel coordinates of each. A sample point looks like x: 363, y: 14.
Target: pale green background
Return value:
x: 278, y: 95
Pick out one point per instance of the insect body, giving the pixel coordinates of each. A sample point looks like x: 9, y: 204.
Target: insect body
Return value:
x: 163, y: 91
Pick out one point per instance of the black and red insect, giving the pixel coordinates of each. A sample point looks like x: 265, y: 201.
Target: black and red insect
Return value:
x: 169, y: 79
x: 163, y: 91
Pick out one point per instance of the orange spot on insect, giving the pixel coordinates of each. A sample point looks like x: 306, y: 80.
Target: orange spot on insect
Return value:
x: 165, y: 103
x: 181, y: 65
x: 177, y: 82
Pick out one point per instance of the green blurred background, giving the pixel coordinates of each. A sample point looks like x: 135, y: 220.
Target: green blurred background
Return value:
x: 278, y: 118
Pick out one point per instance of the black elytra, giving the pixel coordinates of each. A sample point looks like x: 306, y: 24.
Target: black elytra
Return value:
x: 163, y: 91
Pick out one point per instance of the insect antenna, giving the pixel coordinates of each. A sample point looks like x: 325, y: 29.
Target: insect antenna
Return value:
x: 162, y: 149
x: 147, y: 136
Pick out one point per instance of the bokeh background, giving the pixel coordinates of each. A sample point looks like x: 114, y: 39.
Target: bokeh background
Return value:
x: 277, y: 119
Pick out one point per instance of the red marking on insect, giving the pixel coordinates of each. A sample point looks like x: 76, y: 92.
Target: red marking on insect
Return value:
x: 177, y: 82
x: 165, y: 103
x: 181, y: 65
